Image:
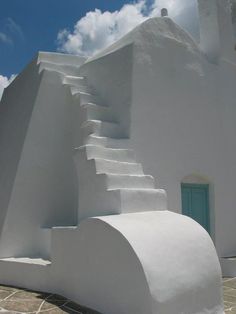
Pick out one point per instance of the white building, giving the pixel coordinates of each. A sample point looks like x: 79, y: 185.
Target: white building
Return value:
x: 69, y: 128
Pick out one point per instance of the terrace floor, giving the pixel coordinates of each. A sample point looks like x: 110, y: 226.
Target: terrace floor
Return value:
x: 229, y: 287
x: 18, y: 301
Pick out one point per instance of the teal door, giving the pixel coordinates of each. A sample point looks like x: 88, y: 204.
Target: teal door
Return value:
x: 195, y: 203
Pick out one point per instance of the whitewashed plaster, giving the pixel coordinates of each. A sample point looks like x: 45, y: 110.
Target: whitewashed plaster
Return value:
x: 153, y: 93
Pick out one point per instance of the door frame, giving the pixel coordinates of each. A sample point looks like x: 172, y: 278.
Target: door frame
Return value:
x: 207, y: 188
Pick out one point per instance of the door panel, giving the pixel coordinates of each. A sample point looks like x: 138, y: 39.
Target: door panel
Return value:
x: 195, y: 203
x: 186, y: 200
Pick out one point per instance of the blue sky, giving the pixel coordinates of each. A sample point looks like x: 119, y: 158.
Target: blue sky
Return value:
x: 75, y: 26
x: 32, y: 25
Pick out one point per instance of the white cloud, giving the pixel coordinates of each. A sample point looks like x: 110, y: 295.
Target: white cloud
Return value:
x: 5, y: 39
x: 97, y: 29
x: 10, y: 32
x: 13, y: 28
x: 4, y: 82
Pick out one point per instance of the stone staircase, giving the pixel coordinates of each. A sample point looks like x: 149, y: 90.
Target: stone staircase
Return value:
x: 111, y: 181
x: 125, y: 251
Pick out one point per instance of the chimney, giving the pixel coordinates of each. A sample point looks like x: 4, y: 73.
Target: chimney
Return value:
x: 164, y: 12
x: 216, y: 29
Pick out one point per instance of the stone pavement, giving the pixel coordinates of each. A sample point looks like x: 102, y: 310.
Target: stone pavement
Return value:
x: 18, y: 301
x: 229, y: 287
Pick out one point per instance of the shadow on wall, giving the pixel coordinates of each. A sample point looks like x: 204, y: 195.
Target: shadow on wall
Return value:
x: 110, y: 75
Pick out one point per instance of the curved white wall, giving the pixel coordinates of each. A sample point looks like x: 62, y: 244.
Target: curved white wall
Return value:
x: 153, y: 262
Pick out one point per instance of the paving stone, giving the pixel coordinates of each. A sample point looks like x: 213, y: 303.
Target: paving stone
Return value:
x: 8, y: 288
x: 228, y: 304
x: 230, y: 283
x: 28, y: 295
x: 52, y: 304
x: 23, y: 300
x: 230, y: 292
x: 227, y: 288
x: 229, y: 298
x: 4, y: 294
x: 16, y: 300
x: 21, y: 306
x: 230, y: 311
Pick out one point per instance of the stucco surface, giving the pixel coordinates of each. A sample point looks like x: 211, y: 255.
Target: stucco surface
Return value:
x: 85, y: 218
x: 155, y: 265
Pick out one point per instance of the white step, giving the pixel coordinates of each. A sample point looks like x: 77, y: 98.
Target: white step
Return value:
x: 117, y: 167
x: 75, y: 90
x: 93, y: 151
x: 27, y: 260
x: 60, y: 58
x: 92, y: 111
x: 120, y: 181
x: 77, y: 84
x: 101, y: 128
x: 139, y: 200
x: 106, y: 141
x: 75, y: 80
x: 61, y: 68
x: 85, y: 98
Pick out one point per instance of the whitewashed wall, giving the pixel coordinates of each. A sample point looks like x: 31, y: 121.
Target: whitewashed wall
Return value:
x: 182, y: 117
x: 38, y: 179
x: 183, y: 123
